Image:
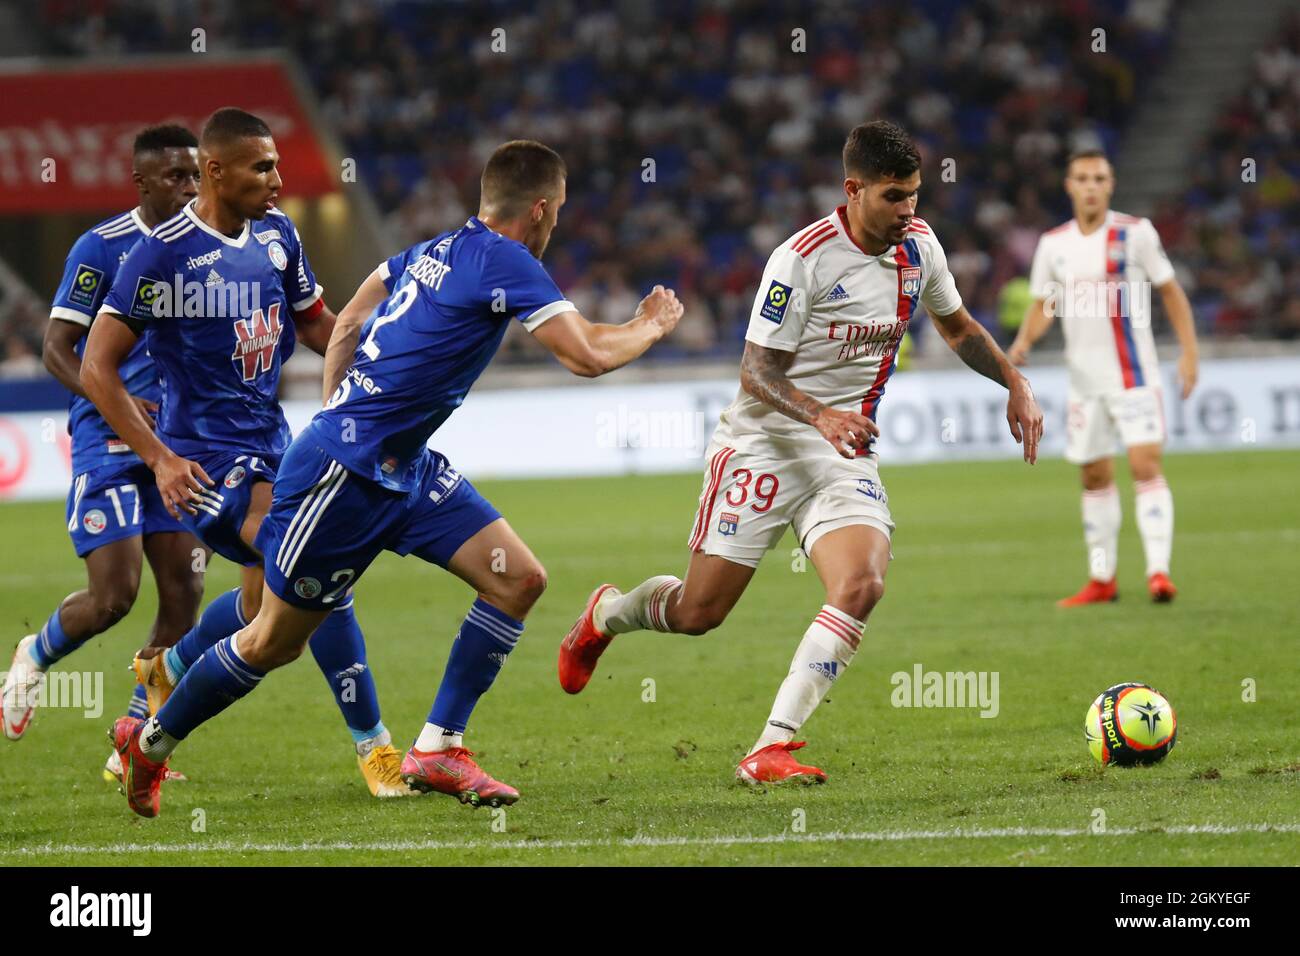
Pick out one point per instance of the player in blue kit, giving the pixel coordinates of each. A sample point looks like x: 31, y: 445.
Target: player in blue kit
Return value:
x: 360, y: 479
x: 221, y: 293
x: 115, y: 515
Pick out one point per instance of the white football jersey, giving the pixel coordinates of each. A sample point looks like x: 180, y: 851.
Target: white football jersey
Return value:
x: 843, y: 312
x: 1100, y: 286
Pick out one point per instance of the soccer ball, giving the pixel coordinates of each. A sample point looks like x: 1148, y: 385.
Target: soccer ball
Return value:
x: 1130, y: 724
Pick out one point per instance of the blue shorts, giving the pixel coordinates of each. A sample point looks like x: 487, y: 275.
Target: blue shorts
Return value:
x: 327, y: 524
x: 223, y: 507
x: 113, y: 502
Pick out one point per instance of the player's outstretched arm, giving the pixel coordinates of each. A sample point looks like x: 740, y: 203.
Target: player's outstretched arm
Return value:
x: 1037, y: 321
x: 107, y: 346
x: 973, y: 344
x: 590, y: 350
x: 346, y: 331
x: 1179, y: 311
x: 763, y: 375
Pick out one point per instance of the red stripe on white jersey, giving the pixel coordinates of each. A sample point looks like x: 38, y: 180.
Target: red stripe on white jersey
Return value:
x: 804, y: 235
x: 824, y: 228
x: 818, y: 241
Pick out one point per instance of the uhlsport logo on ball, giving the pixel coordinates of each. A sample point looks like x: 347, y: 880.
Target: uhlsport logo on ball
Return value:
x: 1130, y: 724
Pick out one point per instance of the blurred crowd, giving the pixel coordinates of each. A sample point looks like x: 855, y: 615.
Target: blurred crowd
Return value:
x: 700, y: 134
x: 1236, y: 229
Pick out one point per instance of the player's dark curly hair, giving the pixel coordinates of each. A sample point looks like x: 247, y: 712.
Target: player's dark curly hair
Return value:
x: 165, y: 136
x: 878, y: 149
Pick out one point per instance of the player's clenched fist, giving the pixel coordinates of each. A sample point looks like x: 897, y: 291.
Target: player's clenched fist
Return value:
x: 179, y: 482
x: 846, y: 431
x: 662, y: 307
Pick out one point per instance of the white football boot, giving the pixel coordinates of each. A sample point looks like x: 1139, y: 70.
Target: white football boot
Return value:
x: 21, y: 690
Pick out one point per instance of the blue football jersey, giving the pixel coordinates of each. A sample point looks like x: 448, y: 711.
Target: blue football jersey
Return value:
x: 451, y: 300
x: 216, y: 313
x: 88, y: 273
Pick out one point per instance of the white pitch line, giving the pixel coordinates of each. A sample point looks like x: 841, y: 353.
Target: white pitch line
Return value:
x: 881, y: 836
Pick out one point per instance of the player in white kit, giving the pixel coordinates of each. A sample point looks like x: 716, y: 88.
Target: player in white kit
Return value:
x: 795, y: 447
x: 1096, y: 272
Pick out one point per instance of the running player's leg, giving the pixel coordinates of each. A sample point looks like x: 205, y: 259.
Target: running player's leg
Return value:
x: 508, y: 579
x: 745, y: 507
x: 1154, y: 506
x: 851, y: 562
x: 105, y: 526
x: 453, y: 526
x: 1091, y: 436
x: 227, y: 672
x: 845, y: 527
x: 177, y: 560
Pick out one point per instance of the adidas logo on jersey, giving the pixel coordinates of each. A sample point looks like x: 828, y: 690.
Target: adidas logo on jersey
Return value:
x: 214, y: 278
x: 837, y: 294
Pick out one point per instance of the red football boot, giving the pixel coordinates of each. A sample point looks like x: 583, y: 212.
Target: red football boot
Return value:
x: 773, y: 764
x: 142, y: 778
x: 454, y: 773
x: 1094, y: 592
x: 1161, y: 588
x: 582, y: 647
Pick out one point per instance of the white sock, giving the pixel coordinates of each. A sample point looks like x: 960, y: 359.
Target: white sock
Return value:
x: 156, y: 743
x: 1155, y: 521
x: 643, y: 608
x: 434, y: 739
x: 826, y: 649
x: 1101, y: 520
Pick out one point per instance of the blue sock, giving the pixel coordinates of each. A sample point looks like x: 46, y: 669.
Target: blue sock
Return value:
x: 139, y: 706
x: 51, y: 643
x: 485, y: 638
x: 218, y: 679
x: 340, y: 652
x: 220, y: 619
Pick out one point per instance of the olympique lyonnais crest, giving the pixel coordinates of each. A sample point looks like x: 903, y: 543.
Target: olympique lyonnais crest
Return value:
x: 728, y: 522
x: 256, y: 340
x: 911, y: 280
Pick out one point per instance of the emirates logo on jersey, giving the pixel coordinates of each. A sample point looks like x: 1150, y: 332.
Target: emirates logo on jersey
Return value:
x: 256, y: 340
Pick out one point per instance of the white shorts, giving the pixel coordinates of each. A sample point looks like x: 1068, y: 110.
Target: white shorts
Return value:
x: 1096, y: 424
x: 749, y: 501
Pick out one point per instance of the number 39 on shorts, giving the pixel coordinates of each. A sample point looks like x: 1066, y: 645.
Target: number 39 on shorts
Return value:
x: 764, y: 488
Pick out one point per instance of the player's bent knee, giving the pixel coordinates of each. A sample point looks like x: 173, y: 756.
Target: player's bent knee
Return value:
x: 262, y: 648
x: 859, y: 594
x: 697, y: 619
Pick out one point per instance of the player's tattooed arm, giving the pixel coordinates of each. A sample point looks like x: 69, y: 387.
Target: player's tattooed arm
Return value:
x: 973, y: 344
x: 763, y: 374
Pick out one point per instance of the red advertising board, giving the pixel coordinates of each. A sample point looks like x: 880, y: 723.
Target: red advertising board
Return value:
x: 65, y: 134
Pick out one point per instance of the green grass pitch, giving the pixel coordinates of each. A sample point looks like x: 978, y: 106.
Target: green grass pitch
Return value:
x: 981, y: 553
